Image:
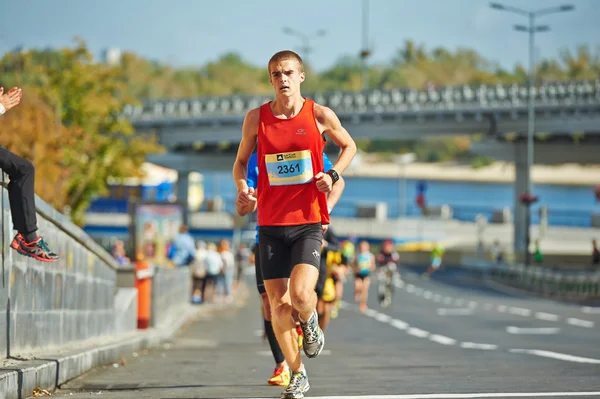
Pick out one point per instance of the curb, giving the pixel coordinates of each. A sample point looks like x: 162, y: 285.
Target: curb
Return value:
x: 52, y: 371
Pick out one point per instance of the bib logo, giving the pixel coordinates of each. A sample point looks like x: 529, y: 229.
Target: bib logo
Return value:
x: 280, y: 157
x: 300, y: 131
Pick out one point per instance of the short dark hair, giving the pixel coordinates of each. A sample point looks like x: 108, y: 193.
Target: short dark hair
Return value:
x: 286, y: 55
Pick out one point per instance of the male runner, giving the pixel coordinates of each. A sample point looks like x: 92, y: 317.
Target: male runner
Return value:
x: 291, y: 203
x: 281, y: 374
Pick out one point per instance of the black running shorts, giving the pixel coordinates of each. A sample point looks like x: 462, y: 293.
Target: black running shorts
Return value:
x: 260, y: 284
x: 320, y: 288
x: 283, y: 247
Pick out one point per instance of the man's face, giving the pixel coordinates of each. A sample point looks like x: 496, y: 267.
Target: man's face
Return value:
x: 285, y: 77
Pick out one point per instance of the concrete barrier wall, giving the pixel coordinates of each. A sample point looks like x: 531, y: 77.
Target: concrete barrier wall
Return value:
x: 86, y: 294
x: 53, y: 304
x: 171, y: 287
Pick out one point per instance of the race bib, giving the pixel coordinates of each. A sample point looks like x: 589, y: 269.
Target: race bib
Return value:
x: 289, y: 168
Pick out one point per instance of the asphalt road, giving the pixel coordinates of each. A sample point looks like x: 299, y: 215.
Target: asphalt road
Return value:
x: 449, y: 337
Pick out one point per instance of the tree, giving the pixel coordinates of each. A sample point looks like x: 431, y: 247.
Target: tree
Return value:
x: 32, y: 131
x: 88, y: 97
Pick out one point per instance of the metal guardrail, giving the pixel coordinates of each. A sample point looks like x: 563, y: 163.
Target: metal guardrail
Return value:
x: 462, y: 98
x: 540, y: 280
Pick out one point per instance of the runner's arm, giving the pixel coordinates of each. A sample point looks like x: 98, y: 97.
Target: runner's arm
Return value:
x: 246, y: 197
x: 333, y: 128
x: 249, y: 135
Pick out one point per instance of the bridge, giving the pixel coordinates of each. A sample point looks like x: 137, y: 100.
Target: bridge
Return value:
x: 561, y: 108
x: 203, y: 133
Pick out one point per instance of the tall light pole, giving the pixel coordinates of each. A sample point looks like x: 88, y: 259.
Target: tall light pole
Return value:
x: 531, y: 29
x: 365, y: 51
x: 306, y: 48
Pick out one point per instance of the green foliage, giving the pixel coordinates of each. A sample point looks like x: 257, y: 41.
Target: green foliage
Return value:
x: 86, y: 97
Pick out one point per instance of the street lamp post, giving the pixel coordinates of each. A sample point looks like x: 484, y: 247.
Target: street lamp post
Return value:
x: 306, y: 48
x: 403, y: 160
x: 365, y: 52
x: 531, y: 29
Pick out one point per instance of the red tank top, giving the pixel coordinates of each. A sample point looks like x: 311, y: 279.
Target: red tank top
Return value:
x: 289, y: 156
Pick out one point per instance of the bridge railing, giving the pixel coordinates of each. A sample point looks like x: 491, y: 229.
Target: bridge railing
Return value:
x: 570, y: 284
x: 446, y: 98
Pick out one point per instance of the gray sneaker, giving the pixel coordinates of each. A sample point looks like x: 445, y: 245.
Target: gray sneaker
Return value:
x: 314, y: 339
x: 298, y: 386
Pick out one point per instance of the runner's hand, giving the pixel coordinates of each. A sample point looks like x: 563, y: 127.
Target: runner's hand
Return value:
x: 246, y: 201
x: 324, y: 182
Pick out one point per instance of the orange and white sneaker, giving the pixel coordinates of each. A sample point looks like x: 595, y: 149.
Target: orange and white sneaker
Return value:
x: 280, y: 377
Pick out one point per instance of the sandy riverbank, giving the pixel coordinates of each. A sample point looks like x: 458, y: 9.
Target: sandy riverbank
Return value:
x: 499, y: 172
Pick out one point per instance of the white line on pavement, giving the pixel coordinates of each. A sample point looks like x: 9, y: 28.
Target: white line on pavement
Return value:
x: 454, y: 311
x: 590, y: 310
x: 474, y: 345
x: 427, y: 294
x: 382, y: 317
x: 487, y: 306
x: 556, y: 355
x: 580, y: 323
x: 502, y: 308
x: 546, y: 316
x: 519, y: 311
x: 417, y: 332
x: 399, y: 324
x: 532, y: 331
x: 463, y: 395
x: 410, y: 288
x: 440, y: 339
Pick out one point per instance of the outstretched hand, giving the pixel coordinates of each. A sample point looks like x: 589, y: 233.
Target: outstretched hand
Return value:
x: 11, y: 98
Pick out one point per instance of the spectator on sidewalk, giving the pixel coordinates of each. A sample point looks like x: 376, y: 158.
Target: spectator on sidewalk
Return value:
x: 184, y: 248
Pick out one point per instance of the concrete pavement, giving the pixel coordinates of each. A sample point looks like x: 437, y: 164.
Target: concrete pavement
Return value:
x: 446, y: 337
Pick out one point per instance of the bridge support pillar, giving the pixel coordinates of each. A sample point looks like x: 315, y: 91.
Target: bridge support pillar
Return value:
x: 521, y: 185
x: 183, y: 188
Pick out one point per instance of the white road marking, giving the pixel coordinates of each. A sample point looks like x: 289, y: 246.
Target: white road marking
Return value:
x: 556, y: 355
x: 519, y: 311
x: 546, y: 316
x: 472, y: 304
x: 502, y: 308
x: 427, y: 294
x: 258, y: 333
x: 580, y: 323
x: 382, y: 317
x: 418, y: 291
x: 532, y: 331
x: 474, y: 345
x: 417, y: 332
x: 410, y: 288
x: 488, y: 306
x: 399, y: 324
x: 399, y: 284
x: 459, y: 302
x: 454, y: 311
x: 440, y: 339
x: 371, y: 312
x: 462, y: 395
x: 590, y: 310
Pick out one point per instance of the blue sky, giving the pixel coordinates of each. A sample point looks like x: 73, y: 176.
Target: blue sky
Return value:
x: 192, y: 32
